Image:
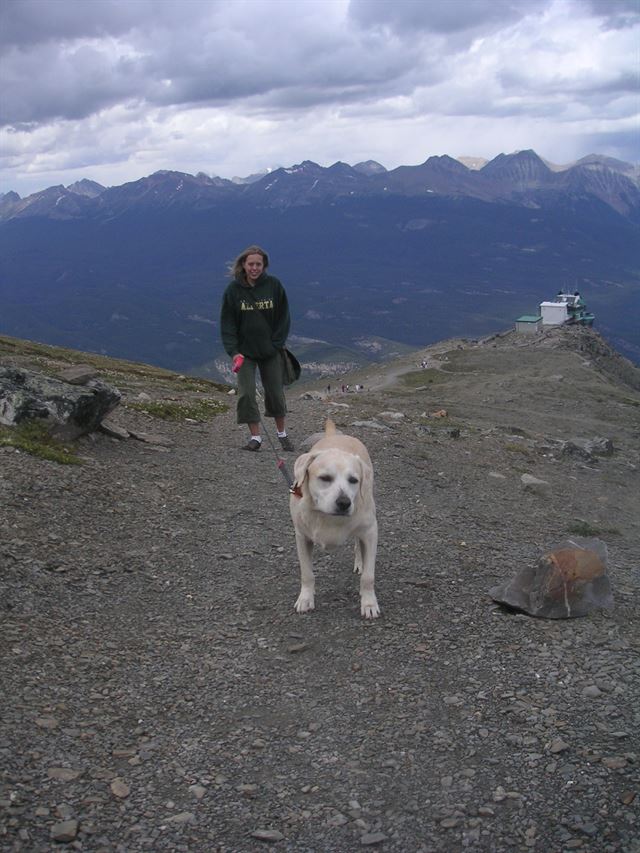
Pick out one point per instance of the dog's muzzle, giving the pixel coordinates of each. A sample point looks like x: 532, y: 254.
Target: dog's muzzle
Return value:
x: 343, y: 505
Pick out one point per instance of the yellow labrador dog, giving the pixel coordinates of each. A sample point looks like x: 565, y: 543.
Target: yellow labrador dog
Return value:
x: 332, y: 501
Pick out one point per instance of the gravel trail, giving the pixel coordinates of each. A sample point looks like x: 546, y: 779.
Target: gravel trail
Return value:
x: 159, y: 693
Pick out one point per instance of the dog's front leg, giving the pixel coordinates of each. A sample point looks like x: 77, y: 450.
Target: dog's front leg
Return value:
x: 306, y: 599
x: 357, y: 563
x: 368, y: 547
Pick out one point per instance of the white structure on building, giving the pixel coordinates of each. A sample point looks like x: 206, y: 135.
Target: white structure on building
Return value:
x: 554, y: 313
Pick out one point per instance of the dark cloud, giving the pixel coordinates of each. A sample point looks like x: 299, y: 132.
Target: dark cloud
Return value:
x: 624, y: 144
x: 31, y: 22
x: 454, y: 16
x: 616, y: 13
x: 76, y: 83
x: 112, y: 54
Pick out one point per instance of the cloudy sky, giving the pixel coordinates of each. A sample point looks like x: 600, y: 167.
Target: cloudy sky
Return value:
x: 113, y: 90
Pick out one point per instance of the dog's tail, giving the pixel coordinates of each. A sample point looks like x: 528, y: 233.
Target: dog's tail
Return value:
x: 329, y: 427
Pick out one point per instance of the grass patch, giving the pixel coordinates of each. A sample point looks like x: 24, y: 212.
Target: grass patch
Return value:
x: 513, y: 447
x: 437, y: 426
x: 580, y: 527
x: 427, y: 376
x: 169, y: 410
x: 33, y: 437
x: 513, y: 430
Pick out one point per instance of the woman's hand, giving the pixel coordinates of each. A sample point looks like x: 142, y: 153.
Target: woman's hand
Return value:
x: 238, y: 361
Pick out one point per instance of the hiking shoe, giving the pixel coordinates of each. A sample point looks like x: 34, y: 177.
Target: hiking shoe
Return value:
x: 253, y: 445
x: 286, y: 443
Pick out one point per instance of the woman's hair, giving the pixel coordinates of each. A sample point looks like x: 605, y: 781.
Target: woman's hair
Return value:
x: 236, y: 269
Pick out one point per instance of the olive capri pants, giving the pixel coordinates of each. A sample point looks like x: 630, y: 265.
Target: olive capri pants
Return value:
x: 275, y: 405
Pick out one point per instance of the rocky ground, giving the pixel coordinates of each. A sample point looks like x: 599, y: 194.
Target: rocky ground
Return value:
x: 159, y: 693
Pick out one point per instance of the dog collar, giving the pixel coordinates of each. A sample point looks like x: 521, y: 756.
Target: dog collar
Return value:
x: 296, y: 490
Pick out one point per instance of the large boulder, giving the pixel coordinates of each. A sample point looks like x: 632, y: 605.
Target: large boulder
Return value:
x: 68, y: 410
x: 569, y: 580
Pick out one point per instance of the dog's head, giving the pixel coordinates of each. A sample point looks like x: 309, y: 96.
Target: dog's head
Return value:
x: 333, y: 480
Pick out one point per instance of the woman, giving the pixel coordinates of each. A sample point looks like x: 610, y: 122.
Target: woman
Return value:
x: 254, y: 324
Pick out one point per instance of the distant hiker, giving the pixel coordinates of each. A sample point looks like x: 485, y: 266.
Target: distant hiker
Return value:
x: 254, y: 324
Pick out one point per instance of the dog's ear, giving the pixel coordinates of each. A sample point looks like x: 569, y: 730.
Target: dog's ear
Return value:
x: 366, y: 477
x: 301, y: 467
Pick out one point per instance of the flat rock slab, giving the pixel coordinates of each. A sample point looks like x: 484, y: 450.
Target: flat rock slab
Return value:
x: 78, y: 374
x: 152, y: 438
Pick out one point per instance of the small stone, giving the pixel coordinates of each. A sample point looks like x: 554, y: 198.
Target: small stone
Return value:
x: 63, y: 811
x: 120, y: 789
x: 627, y: 797
x: 534, y: 485
x: 371, y: 838
x: 47, y: 723
x: 198, y: 791
x: 616, y: 762
x: 124, y: 752
x: 297, y: 647
x: 64, y: 774
x: 267, y: 835
x: 370, y: 425
x: 182, y: 817
x: 485, y: 811
x: 64, y: 831
x: 449, y: 822
x: 558, y: 745
x: 592, y: 691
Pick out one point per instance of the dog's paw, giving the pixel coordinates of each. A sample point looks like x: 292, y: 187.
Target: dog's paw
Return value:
x: 305, y: 603
x: 369, y: 607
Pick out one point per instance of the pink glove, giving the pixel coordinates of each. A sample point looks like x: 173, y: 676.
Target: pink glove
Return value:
x: 238, y: 361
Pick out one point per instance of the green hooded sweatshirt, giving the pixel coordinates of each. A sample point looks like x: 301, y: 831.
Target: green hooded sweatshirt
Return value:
x: 244, y: 312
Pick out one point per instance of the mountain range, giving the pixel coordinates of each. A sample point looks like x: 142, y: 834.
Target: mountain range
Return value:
x: 374, y: 260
